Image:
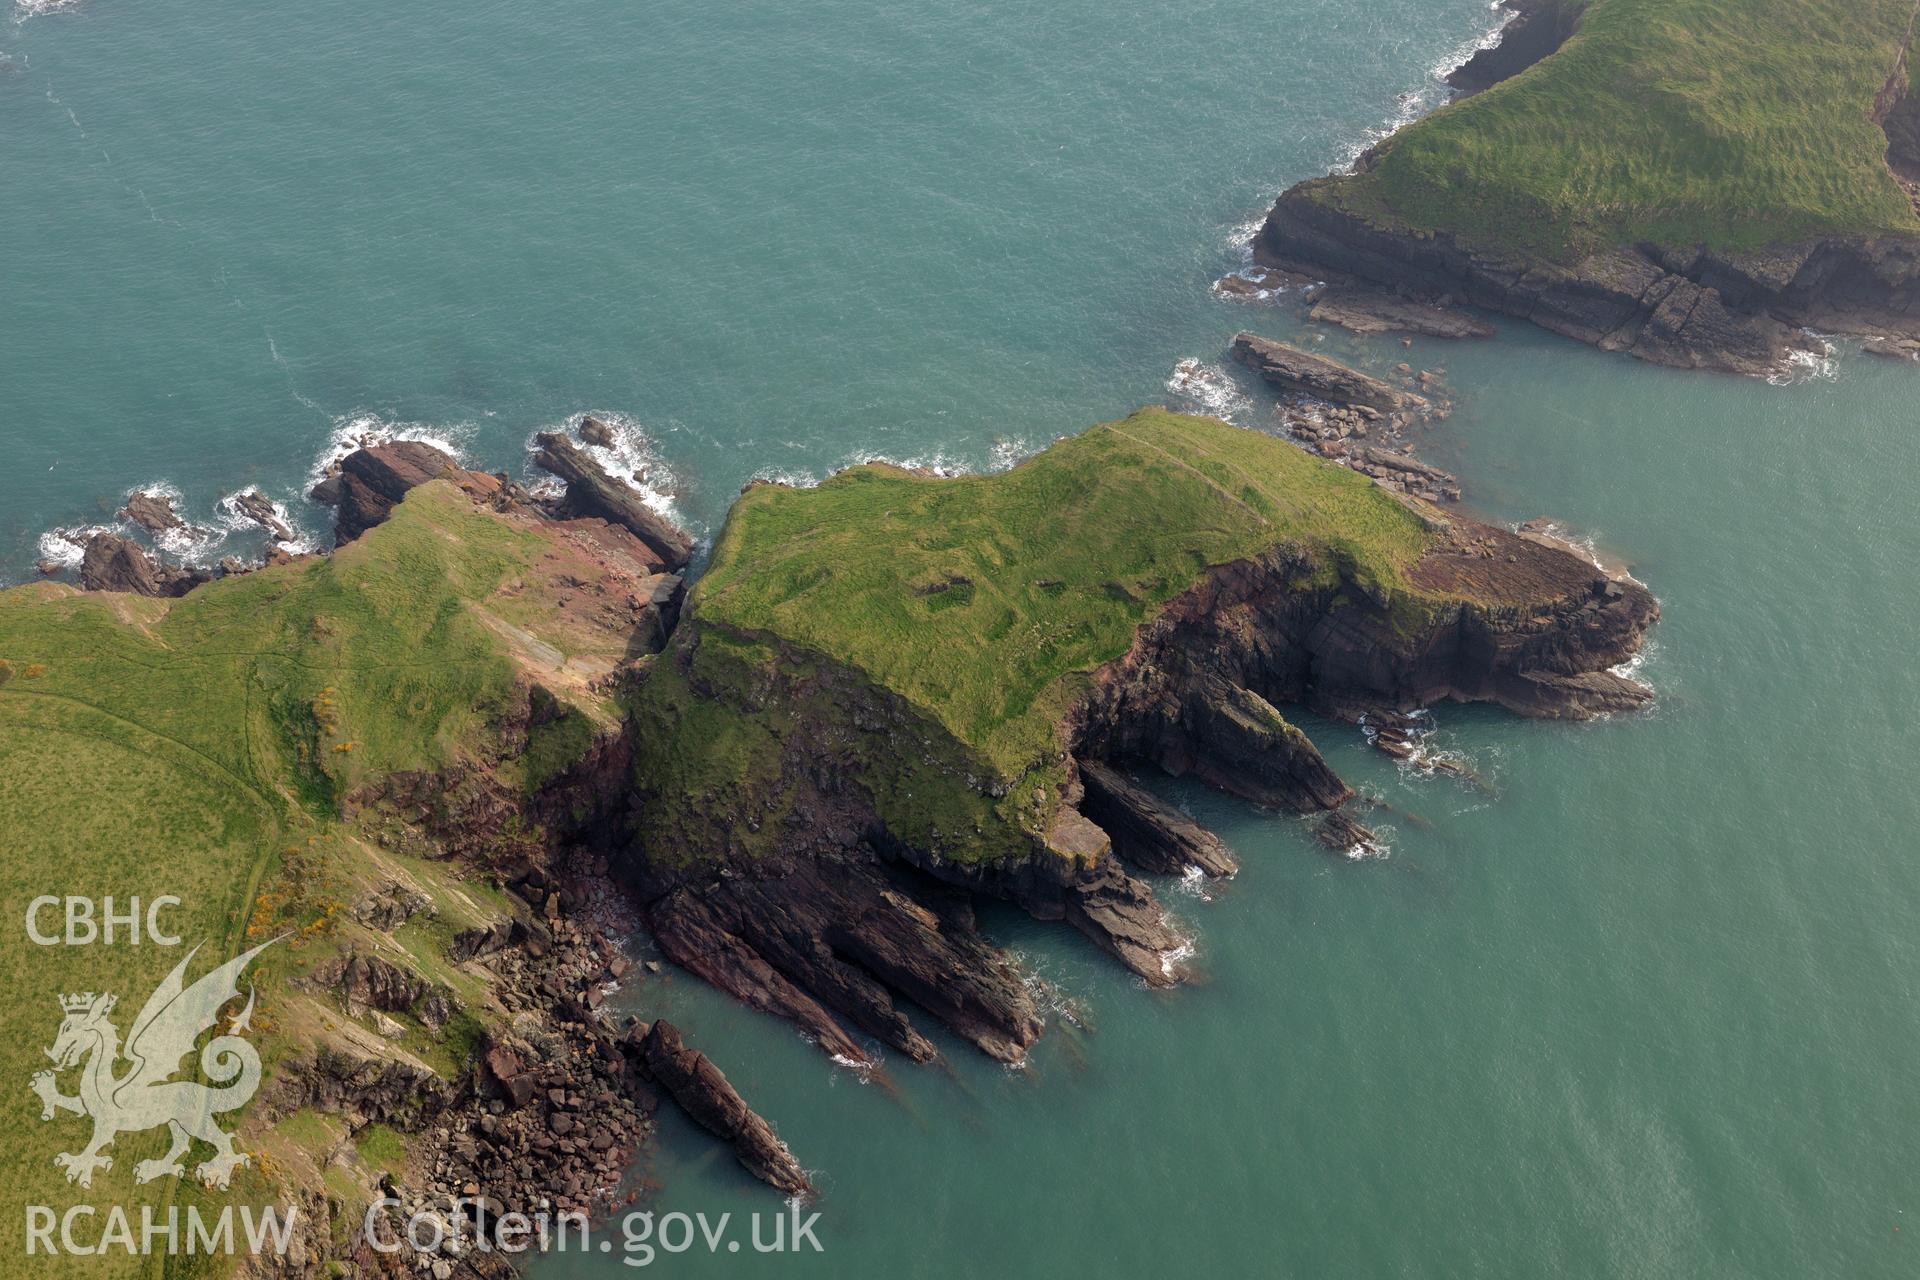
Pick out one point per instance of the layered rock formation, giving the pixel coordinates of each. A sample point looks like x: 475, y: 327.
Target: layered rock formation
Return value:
x: 592, y: 492
x: 701, y: 1088
x: 810, y: 832
x: 110, y: 562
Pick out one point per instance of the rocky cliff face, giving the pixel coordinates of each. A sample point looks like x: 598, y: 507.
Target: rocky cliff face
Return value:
x: 847, y: 918
x: 1696, y: 309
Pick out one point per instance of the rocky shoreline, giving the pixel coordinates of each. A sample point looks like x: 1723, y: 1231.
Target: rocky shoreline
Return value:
x: 850, y: 925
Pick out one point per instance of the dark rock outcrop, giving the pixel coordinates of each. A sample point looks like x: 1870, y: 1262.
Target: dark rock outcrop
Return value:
x: 371, y: 481
x: 1147, y: 832
x: 112, y: 563
x: 702, y: 1091
x: 592, y: 492
x: 811, y: 938
x: 1537, y: 29
x: 152, y: 511
x: 1292, y: 370
x: 1536, y: 630
x: 595, y: 432
x: 257, y: 507
x: 1735, y: 313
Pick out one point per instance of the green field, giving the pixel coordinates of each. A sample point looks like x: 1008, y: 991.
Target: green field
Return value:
x: 202, y: 747
x: 1734, y: 124
x: 982, y: 604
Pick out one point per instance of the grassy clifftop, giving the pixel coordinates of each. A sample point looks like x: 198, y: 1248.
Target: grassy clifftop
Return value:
x: 1734, y: 124
x: 976, y: 608
x: 202, y: 747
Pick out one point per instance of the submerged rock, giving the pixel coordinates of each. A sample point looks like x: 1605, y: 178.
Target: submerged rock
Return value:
x: 1367, y: 311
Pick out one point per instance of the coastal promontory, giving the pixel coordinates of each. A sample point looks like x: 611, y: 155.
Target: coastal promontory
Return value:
x: 895, y: 687
x: 1693, y: 183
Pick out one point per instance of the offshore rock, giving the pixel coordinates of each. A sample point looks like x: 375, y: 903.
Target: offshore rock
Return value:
x: 257, y: 507
x: 1290, y: 369
x: 592, y: 492
x: 690, y: 1079
x: 152, y: 511
x: 112, y: 563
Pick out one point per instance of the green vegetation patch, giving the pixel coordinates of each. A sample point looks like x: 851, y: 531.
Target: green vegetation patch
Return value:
x: 975, y: 609
x: 1735, y: 124
x: 200, y: 747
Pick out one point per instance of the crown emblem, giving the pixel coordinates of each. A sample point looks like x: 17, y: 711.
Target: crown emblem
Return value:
x: 77, y: 1004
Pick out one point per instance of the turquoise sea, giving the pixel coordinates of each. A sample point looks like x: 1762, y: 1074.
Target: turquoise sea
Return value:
x: 1646, y: 1006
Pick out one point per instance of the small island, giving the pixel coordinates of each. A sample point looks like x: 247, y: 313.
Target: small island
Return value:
x: 1693, y: 183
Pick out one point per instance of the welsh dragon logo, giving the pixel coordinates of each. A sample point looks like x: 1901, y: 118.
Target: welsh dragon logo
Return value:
x: 146, y: 1095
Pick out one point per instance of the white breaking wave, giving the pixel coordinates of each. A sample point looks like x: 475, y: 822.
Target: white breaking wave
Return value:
x: 1210, y: 387
x: 234, y: 522
x: 791, y: 479
x: 24, y: 9
x: 63, y: 546
x: 1432, y: 92
x: 1005, y: 454
x: 188, y: 544
x: 353, y: 431
x: 630, y: 459
x: 940, y: 463
x: 1807, y: 365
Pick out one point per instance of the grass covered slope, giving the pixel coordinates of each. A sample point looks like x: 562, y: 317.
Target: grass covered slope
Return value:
x: 1730, y: 124
x: 202, y: 747
x: 975, y: 609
